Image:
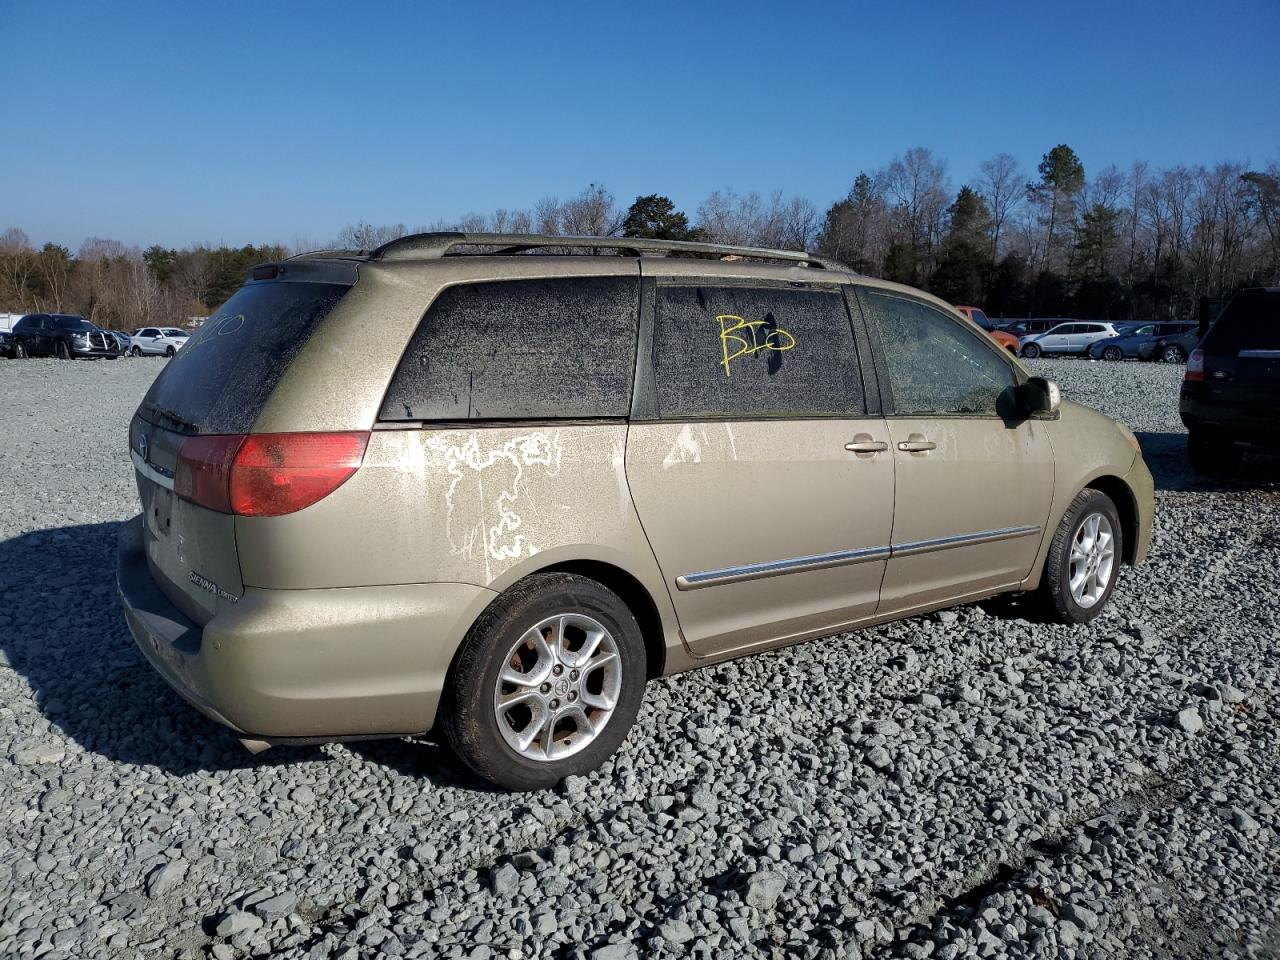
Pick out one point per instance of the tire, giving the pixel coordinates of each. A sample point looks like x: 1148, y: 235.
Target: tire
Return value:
x: 62, y: 350
x: 497, y: 645
x: 1172, y: 353
x: 19, y: 351
x: 1112, y: 353
x: 169, y: 351
x: 1090, y: 517
x: 136, y: 351
x: 1212, y: 456
x: 1031, y: 351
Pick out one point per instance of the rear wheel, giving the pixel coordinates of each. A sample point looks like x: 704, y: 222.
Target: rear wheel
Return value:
x: 1172, y: 353
x: 547, y: 683
x: 1112, y: 353
x: 1212, y: 456
x: 19, y: 351
x: 1031, y: 351
x: 1084, y: 559
x: 63, y: 351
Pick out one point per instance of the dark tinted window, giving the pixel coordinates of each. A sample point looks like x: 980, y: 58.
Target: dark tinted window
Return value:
x: 1251, y: 321
x: 754, y: 351
x: 521, y: 349
x: 936, y: 365
x: 64, y: 322
x: 26, y: 324
x: 221, y: 378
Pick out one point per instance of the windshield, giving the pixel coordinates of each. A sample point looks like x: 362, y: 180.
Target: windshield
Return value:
x: 72, y: 323
x: 980, y: 319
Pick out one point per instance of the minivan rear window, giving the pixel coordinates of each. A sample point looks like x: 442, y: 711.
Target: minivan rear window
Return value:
x: 1250, y: 322
x: 220, y: 379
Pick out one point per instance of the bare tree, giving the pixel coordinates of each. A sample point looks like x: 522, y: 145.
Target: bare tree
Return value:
x: 367, y: 236
x: 1002, y: 185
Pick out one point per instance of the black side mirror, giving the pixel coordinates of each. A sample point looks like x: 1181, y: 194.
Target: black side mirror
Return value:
x: 1040, y: 398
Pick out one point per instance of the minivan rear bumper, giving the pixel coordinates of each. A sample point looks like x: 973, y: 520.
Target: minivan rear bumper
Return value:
x: 285, y: 665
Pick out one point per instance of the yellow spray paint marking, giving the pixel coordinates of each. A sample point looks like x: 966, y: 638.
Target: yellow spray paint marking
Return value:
x: 738, y: 330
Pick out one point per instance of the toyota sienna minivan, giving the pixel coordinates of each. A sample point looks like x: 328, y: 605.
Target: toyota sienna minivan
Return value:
x: 489, y: 485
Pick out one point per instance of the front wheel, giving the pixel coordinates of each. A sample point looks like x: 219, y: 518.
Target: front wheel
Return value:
x: 169, y: 351
x: 63, y: 351
x: 136, y: 351
x: 1112, y: 353
x: 1031, y: 351
x: 1084, y: 559
x: 1173, y: 353
x: 547, y: 683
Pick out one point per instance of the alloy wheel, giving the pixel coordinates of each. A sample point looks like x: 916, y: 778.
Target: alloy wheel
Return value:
x: 558, y: 687
x: 1092, y: 559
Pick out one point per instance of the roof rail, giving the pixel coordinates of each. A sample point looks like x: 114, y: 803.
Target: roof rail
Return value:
x: 431, y: 246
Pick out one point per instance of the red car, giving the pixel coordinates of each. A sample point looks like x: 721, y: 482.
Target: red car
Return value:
x: 1006, y: 340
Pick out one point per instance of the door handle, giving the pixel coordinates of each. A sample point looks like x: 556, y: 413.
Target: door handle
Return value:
x: 863, y: 443
x: 916, y: 443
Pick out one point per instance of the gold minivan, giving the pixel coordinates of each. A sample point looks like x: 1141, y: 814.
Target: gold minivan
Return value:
x: 490, y: 484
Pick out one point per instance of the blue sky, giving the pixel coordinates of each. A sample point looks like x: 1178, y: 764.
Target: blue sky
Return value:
x: 183, y: 122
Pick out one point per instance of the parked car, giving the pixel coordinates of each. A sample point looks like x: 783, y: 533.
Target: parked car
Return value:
x: 1024, y: 328
x: 1176, y: 347
x: 7, y: 342
x: 158, y: 341
x: 61, y: 335
x: 459, y: 526
x: 1141, y: 341
x: 124, y: 340
x: 1066, y: 338
x: 1006, y: 340
x: 1230, y: 396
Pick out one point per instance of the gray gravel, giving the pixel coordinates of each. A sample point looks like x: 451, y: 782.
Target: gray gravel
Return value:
x: 973, y: 783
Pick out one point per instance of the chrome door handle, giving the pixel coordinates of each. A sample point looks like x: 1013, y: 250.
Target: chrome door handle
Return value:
x: 916, y: 443
x: 862, y: 443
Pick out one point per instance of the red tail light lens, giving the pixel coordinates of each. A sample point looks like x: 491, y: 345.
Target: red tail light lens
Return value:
x: 266, y: 474
x: 1195, y: 366
x: 204, y: 466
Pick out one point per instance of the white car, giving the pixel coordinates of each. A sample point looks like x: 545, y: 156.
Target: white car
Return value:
x: 1066, y: 338
x: 163, y: 341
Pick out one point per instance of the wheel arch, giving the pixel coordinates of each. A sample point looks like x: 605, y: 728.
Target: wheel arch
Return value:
x: 1126, y: 505
x: 637, y: 599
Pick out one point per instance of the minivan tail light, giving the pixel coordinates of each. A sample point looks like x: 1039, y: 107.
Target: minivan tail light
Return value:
x: 1195, y: 366
x: 266, y: 474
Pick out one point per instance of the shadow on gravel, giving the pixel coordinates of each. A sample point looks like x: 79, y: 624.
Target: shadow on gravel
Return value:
x: 1166, y: 456
x: 61, y: 627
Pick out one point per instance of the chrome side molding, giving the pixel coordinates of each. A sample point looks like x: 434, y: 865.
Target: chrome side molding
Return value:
x: 776, y: 568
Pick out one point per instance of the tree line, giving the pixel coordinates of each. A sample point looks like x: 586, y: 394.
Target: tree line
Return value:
x: 1142, y: 243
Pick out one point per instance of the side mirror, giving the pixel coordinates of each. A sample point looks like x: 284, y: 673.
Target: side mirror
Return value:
x: 1040, y: 397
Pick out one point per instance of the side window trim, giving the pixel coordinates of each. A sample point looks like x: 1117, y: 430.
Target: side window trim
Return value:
x: 889, y: 410
x: 874, y: 386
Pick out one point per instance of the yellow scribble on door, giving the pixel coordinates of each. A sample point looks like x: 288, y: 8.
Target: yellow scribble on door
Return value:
x: 744, y: 335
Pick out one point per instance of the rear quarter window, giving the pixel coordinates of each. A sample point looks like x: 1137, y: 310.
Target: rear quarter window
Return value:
x: 220, y: 380
x: 552, y: 348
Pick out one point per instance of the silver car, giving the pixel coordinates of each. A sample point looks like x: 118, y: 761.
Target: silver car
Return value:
x: 158, y: 341
x: 1067, y: 338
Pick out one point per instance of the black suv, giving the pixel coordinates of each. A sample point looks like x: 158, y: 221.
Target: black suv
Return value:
x: 61, y: 335
x: 1231, y: 390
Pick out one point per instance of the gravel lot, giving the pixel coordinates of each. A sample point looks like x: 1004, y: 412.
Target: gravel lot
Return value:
x: 967, y: 783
